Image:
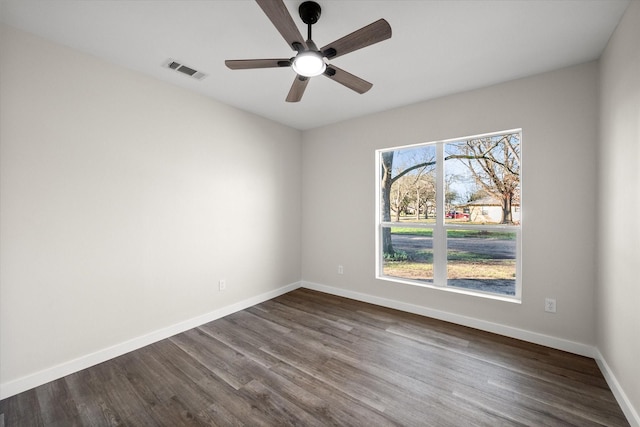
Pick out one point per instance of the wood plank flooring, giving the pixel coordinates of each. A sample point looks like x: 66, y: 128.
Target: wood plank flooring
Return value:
x: 312, y: 359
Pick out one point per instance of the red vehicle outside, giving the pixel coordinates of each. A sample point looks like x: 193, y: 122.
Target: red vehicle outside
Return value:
x: 457, y: 215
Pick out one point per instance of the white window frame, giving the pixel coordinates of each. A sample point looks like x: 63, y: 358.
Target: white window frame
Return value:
x: 440, y: 227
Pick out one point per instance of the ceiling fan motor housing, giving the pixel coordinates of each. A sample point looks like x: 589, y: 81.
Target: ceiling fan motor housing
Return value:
x: 309, y: 12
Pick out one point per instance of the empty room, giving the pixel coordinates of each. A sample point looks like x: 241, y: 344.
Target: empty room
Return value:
x: 268, y: 212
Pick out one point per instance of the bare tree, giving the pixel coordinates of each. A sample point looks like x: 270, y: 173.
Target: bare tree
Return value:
x: 494, y: 163
x: 411, y: 191
x: 425, y: 195
x: 387, y: 181
x: 385, y: 186
x: 400, y: 197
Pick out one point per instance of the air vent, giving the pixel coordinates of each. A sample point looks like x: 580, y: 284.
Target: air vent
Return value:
x: 181, y: 68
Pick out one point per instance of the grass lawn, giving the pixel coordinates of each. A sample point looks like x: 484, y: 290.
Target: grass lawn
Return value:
x: 481, y: 269
x: 477, y: 234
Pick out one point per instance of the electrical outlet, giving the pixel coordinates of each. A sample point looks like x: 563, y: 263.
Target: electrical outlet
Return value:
x: 340, y: 269
x: 222, y: 284
x: 550, y: 305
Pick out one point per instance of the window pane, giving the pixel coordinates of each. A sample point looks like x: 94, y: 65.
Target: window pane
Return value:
x: 408, y: 190
x: 482, y: 180
x: 410, y: 255
x: 482, y: 260
x: 466, y: 192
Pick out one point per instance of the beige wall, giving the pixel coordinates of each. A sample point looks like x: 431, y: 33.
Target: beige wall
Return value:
x: 559, y: 117
x: 619, y: 206
x: 124, y: 200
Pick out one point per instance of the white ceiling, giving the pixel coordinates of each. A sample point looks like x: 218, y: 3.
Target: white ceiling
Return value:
x: 438, y: 47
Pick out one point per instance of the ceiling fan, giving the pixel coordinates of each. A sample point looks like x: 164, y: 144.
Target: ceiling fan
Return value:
x: 311, y: 61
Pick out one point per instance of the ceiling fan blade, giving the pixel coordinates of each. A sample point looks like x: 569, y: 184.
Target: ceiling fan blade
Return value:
x: 279, y: 16
x: 297, y: 89
x: 365, y: 36
x: 347, y: 79
x: 244, y: 64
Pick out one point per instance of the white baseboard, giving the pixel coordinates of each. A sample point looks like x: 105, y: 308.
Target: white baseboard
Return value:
x: 533, y: 337
x: 629, y: 411
x: 28, y: 382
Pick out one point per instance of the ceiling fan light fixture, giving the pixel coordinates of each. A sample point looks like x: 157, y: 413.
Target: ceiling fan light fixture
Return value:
x: 309, y: 64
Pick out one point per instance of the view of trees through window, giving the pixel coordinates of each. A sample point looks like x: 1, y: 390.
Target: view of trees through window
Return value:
x: 450, y: 213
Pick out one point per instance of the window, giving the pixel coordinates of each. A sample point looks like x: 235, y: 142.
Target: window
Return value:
x: 449, y: 214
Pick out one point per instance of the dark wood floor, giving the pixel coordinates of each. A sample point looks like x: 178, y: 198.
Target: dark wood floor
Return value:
x: 311, y: 359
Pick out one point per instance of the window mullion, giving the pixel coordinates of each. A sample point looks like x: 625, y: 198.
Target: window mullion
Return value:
x: 439, y: 232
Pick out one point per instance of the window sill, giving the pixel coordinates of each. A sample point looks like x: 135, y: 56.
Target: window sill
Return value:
x: 480, y: 294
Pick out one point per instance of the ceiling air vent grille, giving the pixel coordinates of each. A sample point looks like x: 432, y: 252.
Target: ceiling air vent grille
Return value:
x: 175, y: 65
